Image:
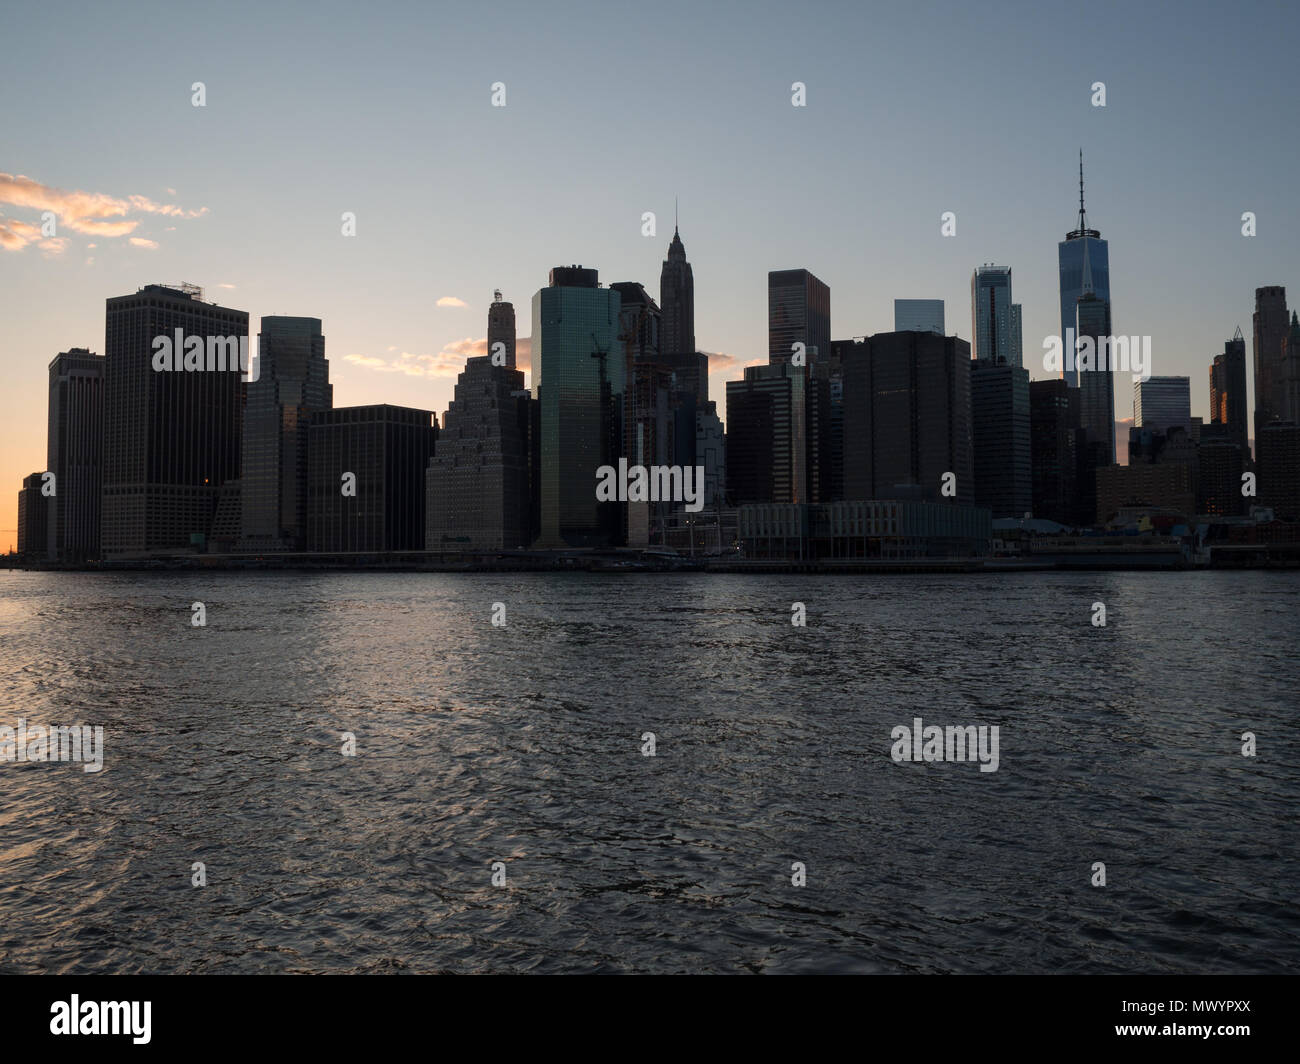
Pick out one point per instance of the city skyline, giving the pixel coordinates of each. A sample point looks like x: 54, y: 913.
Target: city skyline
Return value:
x: 406, y: 297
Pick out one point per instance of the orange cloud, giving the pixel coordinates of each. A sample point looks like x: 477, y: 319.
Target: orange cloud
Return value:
x: 721, y: 362
x: 141, y: 242
x: 446, y: 363
x: 451, y: 301
x: 93, y: 213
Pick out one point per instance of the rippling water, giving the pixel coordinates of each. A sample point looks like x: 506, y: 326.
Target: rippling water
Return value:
x: 522, y: 744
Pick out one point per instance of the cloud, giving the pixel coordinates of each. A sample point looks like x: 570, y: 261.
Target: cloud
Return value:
x: 722, y: 362
x: 16, y: 235
x: 55, y: 245
x: 225, y: 286
x: 446, y: 363
x: 92, y: 213
x: 141, y: 242
x: 451, y: 301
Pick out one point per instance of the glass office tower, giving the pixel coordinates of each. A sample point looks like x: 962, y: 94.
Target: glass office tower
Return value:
x: 579, y: 379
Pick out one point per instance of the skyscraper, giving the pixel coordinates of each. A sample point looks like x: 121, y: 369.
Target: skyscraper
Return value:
x: 1162, y: 403
x: 292, y: 384
x: 1000, y: 435
x: 1289, y: 382
x: 1228, y: 405
x: 75, y: 450
x: 991, y: 316
x: 1270, y: 339
x: 477, y: 482
x: 798, y: 311
x: 766, y: 435
x: 677, y: 300
x: 579, y: 378
x: 34, y: 507
x: 1081, y: 243
x: 171, y: 436
x: 1055, y: 447
x: 1279, y: 468
x: 501, y: 328
x: 1096, y: 377
x: 381, y: 505
x: 649, y: 410
x: 918, y: 315
x: 907, y: 416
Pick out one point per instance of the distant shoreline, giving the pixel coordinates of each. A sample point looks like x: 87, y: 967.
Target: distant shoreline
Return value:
x: 1157, y: 562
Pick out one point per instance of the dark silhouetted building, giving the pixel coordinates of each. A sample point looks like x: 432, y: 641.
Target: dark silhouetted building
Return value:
x: 1270, y: 323
x: 907, y: 416
x: 766, y: 460
x: 386, y: 449
x: 1228, y: 401
x: 1001, y: 438
x: 1278, y: 445
x: 477, y: 483
x: 1056, y: 447
x: 75, y: 454
x: 34, y: 508
x: 677, y: 300
x: 172, y: 438
x: 501, y: 328
x: 798, y: 311
x: 1221, y: 464
x: 292, y: 384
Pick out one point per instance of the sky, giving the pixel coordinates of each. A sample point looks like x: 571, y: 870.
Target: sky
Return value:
x: 612, y: 110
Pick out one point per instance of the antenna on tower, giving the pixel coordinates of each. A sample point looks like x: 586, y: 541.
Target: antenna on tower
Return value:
x: 674, y: 215
x: 1083, y: 221
x: 1237, y: 335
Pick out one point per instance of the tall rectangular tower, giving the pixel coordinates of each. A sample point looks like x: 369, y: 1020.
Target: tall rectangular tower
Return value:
x: 75, y: 449
x: 1228, y: 404
x: 1270, y: 352
x: 579, y: 379
x: 798, y: 311
x: 1081, y: 246
x: 172, y: 435
x: 292, y: 384
x: 991, y: 316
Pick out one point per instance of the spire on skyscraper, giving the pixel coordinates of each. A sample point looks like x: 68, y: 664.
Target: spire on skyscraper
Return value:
x: 1083, y: 218
x: 1082, y: 228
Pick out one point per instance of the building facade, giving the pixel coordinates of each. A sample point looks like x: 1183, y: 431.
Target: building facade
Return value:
x: 292, y: 384
x: 907, y: 416
x: 579, y: 379
x: 798, y: 311
x: 365, y: 478
x: 75, y: 454
x: 172, y: 437
x: 1229, y: 405
x: 1001, y: 438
